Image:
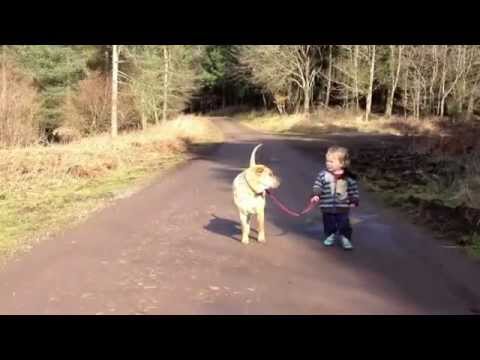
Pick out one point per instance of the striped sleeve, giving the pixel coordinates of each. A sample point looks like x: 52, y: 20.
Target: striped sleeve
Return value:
x: 353, y: 193
x: 317, y: 185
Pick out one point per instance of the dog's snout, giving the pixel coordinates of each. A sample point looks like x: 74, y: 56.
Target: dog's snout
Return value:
x: 276, y: 181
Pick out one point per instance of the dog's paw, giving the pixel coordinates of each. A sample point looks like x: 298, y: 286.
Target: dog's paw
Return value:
x: 261, y: 239
x: 245, y: 242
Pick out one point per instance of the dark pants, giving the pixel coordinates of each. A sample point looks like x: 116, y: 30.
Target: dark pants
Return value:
x: 333, y: 222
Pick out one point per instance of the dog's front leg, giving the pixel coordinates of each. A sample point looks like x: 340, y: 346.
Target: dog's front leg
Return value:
x: 245, y: 220
x: 261, y: 224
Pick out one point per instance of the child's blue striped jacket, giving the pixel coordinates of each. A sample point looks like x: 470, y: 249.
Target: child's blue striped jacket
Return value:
x: 336, y: 192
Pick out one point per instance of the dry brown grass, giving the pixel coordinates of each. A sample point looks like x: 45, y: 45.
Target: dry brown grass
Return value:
x: 87, y: 109
x: 331, y: 121
x: 44, y: 188
x: 19, y: 109
x: 438, y: 141
x: 430, y: 135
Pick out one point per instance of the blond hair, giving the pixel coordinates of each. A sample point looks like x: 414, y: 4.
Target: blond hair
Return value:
x: 341, y: 153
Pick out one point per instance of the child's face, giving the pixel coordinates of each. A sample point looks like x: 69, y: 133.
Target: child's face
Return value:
x: 333, y: 163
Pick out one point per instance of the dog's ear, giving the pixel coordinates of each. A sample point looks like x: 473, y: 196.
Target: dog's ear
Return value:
x: 259, y: 170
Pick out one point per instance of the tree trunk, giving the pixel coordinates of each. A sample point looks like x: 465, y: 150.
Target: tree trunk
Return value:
x: 308, y: 79
x: 224, y: 96
x: 3, y: 95
x: 471, y: 103
x: 345, y: 100
x: 390, y: 93
x: 166, y: 59
x: 114, y: 90
x: 433, y: 78
x: 471, y: 98
x: 395, y: 77
x: 355, y: 65
x: 442, y: 106
x: 4, y: 75
x: 418, y: 101
x: 329, y: 80
x: 413, y: 98
x: 107, y: 62
x: 306, y: 104
x: 279, y: 108
x: 441, y: 97
x: 464, y: 82
x: 405, y: 95
x: 370, y: 87
x: 144, y: 120
x: 458, y: 76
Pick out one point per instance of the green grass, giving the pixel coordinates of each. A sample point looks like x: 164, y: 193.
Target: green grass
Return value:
x: 408, y: 197
x: 269, y: 122
x: 473, y: 247
x: 45, y: 204
x: 27, y: 217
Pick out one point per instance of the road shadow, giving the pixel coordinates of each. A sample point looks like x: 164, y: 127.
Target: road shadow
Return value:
x: 371, y: 254
x: 228, y: 228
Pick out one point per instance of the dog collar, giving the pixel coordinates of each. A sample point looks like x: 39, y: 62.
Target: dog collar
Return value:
x: 251, y: 188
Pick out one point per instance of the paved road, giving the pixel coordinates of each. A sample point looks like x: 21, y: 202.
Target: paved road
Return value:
x: 174, y: 248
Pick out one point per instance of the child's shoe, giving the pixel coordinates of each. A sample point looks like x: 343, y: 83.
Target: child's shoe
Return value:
x: 346, y: 244
x: 329, y: 240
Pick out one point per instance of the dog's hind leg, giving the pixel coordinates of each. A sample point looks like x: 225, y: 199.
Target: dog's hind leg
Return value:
x: 245, y: 220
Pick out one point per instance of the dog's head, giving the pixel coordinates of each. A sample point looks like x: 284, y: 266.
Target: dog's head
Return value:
x: 261, y: 177
x: 264, y: 177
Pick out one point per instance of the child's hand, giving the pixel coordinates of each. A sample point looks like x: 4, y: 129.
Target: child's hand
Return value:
x: 353, y: 204
x: 315, y: 199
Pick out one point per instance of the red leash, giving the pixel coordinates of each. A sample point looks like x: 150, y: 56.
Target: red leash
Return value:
x: 309, y: 208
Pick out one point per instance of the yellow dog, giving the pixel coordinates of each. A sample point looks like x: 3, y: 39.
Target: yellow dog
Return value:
x: 249, y: 195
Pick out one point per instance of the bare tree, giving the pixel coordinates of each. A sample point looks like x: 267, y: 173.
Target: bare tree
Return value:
x: 429, y: 78
x: 419, y: 67
x: 166, y: 59
x: 329, y: 75
x: 282, y: 69
x: 441, y: 90
x: 370, y: 87
x: 395, y: 75
x: 473, y: 81
x: 163, y: 79
x: 351, y: 72
x: 433, y: 78
x: 456, y: 74
x: 473, y: 96
x: 263, y: 66
x: 355, y: 74
x: 281, y: 102
x: 20, y: 106
x: 114, y: 120
x: 3, y: 95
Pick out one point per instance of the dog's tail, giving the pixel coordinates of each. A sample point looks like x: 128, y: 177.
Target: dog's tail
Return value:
x: 252, y: 157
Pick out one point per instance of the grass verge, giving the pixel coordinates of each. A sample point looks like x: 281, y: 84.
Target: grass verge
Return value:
x: 46, y: 189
